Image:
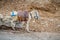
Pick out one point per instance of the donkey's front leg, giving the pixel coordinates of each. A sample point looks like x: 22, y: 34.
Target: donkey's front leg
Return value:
x: 27, y: 26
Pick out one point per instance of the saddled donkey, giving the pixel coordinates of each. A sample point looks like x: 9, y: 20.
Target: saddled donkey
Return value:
x: 26, y: 16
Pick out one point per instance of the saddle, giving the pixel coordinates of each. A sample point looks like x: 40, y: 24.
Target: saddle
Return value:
x: 20, y: 18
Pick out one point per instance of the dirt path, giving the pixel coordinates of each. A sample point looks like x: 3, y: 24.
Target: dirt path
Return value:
x: 11, y: 35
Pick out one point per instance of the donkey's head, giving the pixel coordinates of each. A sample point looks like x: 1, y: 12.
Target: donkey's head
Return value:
x: 35, y: 15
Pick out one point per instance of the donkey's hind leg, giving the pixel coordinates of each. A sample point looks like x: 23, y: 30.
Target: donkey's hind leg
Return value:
x: 13, y: 25
x: 13, y: 28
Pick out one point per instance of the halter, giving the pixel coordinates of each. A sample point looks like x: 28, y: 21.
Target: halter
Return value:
x: 36, y: 16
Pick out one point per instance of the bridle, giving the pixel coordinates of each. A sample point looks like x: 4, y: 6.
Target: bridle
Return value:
x: 36, y: 16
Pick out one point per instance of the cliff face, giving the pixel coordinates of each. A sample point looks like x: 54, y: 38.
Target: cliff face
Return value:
x: 49, y: 11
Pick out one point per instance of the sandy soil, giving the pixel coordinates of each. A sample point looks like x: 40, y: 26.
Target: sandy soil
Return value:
x: 17, y: 35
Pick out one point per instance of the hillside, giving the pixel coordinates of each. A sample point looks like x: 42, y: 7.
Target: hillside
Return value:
x: 49, y: 11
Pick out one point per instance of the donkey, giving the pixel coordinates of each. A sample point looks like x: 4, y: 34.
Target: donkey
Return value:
x: 24, y: 17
